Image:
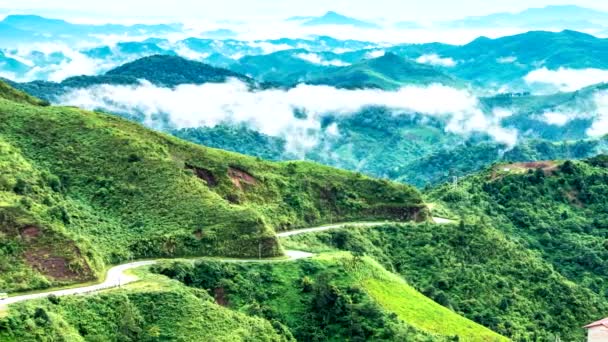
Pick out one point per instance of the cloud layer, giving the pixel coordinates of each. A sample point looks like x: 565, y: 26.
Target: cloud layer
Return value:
x: 566, y: 79
x: 434, y: 59
x: 271, y: 111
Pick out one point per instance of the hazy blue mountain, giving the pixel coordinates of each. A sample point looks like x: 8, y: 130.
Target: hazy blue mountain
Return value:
x: 220, y: 34
x: 387, y: 72
x: 285, y: 67
x: 11, y: 65
x: 11, y: 36
x: 505, y: 61
x: 160, y: 70
x: 36, y: 28
x: 333, y: 18
x: 561, y: 17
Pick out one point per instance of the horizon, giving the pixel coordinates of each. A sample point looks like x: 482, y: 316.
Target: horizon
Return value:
x: 386, y: 11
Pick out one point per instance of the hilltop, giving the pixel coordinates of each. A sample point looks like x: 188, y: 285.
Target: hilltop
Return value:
x: 83, y: 190
x: 387, y: 72
x: 160, y: 70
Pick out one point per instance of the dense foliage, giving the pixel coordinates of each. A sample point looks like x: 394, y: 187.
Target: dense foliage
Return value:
x: 120, y: 191
x: 169, y: 313
x: 478, y: 272
x: 334, y: 297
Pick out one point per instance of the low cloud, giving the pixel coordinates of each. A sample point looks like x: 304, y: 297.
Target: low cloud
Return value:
x: 506, y: 60
x: 434, y: 59
x: 375, y: 54
x: 271, y: 111
x: 316, y: 59
x: 600, y: 124
x: 556, y: 118
x: 565, y: 79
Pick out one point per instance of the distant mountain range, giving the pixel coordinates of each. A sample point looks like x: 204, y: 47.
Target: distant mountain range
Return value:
x: 333, y: 18
x: 28, y: 28
x: 550, y: 17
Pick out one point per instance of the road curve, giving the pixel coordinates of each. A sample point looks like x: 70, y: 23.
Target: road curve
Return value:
x: 116, y: 277
x: 329, y: 227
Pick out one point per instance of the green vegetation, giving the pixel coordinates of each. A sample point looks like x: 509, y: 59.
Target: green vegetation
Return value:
x: 557, y: 209
x: 476, y: 271
x: 160, y: 70
x: 10, y: 93
x: 388, y: 72
x: 86, y: 189
x: 333, y: 297
x: 154, y: 310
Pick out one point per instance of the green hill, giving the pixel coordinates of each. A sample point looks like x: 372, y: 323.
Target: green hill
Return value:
x: 387, y: 72
x: 477, y: 271
x: 331, y: 297
x: 155, y: 309
x: 80, y: 190
x: 160, y: 70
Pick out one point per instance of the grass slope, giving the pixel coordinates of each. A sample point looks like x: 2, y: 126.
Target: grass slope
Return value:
x: 153, y: 310
x: 477, y: 271
x: 331, y: 297
x: 119, y: 191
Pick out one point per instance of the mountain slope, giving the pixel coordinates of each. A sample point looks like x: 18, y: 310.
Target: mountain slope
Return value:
x: 160, y: 70
x: 333, y: 18
x: 334, y: 296
x: 153, y: 309
x: 119, y: 191
x: 477, y: 271
x: 549, y: 17
x: 170, y: 71
x: 387, y: 72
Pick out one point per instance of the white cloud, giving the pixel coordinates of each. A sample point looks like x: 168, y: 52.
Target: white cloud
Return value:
x: 184, y: 51
x: 375, y: 54
x: 316, y: 59
x: 271, y: 111
x: 506, y: 60
x: 269, y: 47
x: 600, y: 125
x: 566, y: 79
x: 556, y: 118
x: 434, y: 59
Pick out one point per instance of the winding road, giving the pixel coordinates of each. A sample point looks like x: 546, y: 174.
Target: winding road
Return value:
x: 116, y: 276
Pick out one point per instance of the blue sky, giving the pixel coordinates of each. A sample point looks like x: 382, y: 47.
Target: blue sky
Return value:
x: 244, y: 9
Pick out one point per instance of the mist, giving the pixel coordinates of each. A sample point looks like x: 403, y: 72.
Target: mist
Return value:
x: 271, y: 111
x: 566, y: 79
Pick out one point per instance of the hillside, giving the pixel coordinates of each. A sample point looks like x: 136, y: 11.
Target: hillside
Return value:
x: 332, y: 297
x: 388, y: 72
x: 555, y: 208
x: 82, y: 190
x: 160, y: 70
x: 151, y: 310
x: 475, y: 270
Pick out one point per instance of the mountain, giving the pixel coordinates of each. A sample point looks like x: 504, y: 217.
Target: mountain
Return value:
x: 333, y: 18
x: 41, y: 25
x: 171, y: 71
x: 81, y: 190
x: 387, y: 72
x: 155, y: 309
x: 160, y: 70
x: 220, y: 34
x: 524, y: 255
x: 505, y: 61
x: 284, y: 67
x: 382, y: 307
x: 550, y: 17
